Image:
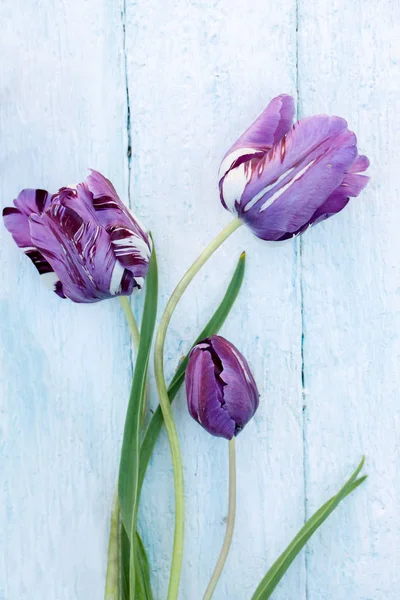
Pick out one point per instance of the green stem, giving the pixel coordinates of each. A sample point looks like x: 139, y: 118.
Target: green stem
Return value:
x: 130, y: 318
x: 229, y: 526
x: 112, y: 578
x: 112, y: 587
x: 166, y: 407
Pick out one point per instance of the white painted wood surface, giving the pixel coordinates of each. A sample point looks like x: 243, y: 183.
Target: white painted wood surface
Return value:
x: 191, y: 76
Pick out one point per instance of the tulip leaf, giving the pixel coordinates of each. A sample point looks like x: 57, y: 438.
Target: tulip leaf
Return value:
x: 124, y: 554
x: 142, y: 570
x: 279, y: 568
x: 128, y: 480
x: 212, y: 327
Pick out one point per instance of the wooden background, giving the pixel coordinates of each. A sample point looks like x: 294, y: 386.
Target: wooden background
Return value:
x: 152, y: 93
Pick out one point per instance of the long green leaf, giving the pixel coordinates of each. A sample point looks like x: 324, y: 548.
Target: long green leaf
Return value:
x: 124, y: 554
x: 128, y: 480
x: 155, y: 425
x: 279, y: 568
x: 212, y: 327
x: 143, y: 585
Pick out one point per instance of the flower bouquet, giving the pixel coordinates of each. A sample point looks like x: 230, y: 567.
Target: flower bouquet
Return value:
x: 279, y: 179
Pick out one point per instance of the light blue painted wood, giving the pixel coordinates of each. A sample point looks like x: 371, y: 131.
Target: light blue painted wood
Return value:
x: 65, y: 369
x: 197, y: 73
x: 351, y: 278
x: 193, y: 89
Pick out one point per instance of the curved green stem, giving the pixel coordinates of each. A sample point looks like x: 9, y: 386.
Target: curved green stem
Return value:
x: 230, y: 525
x: 130, y: 318
x: 112, y: 586
x: 166, y: 407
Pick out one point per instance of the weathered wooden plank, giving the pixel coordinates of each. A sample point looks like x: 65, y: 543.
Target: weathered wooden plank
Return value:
x: 349, y: 65
x: 64, y: 369
x: 198, y: 74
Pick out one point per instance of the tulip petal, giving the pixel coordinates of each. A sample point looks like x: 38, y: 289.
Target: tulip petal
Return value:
x: 132, y: 252
x: 130, y: 241
x: 300, y: 173
x: 360, y: 165
x: 205, y: 401
x: 110, y: 210
x: 100, y: 186
x: 32, y: 201
x: 273, y: 123
x: 18, y: 225
x: 16, y: 218
x: 79, y: 199
x: 80, y: 253
x: 240, y: 392
x: 352, y: 186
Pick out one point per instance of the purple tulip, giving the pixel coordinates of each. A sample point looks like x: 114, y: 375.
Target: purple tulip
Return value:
x: 221, y: 392
x: 281, y: 178
x: 83, y: 240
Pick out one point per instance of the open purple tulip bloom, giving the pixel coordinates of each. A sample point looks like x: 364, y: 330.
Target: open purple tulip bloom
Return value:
x: 281, y: 178
x: 221, y: 392
x: 83, y: 240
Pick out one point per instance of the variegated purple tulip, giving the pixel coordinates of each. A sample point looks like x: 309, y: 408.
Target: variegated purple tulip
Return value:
x: 281, y: 178
x: 83, y: 240
x: 221, y: 392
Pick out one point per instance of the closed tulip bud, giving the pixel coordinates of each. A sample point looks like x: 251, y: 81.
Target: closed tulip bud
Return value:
x: 83, y: 240
x: 221, y: 392
x: 281, y: 178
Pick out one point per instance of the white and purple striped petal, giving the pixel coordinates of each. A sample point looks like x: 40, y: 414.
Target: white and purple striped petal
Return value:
x: 16, y: 220
x: 281, y: 191
x: 273, y: 123
x: 131, y: 242
x: 80, y: 253
x: 87, y: 248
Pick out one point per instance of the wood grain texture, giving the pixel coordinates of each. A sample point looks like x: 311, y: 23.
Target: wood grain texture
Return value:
x: 193, y: 89
x: 350, y: 279
x: 153, y: 93
x: 65, y: 368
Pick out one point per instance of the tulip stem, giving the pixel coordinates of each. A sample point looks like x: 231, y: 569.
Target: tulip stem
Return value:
x: 112, y: 586
x: 112, y: 577
x: 130, y: 318
x: 229, y: 525
x: 177, y: 552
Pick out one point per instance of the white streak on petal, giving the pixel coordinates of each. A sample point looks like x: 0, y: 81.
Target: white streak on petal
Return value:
x: 123, y: 245
x: 265, y: 190
x: 137, y: 220
x: 285, y: 187
x: 116, y: 278
x: 234, y: 185
x: 49, y: 280
x: 230, y: 159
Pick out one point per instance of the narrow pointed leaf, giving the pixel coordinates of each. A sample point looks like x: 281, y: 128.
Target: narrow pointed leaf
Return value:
x: 154, y: 428
x: 124, y: 554
x: 212, y: 327
x: 279, y: 568
x: 128, y: 480
x: 112, y: 591
x: 142, y: 570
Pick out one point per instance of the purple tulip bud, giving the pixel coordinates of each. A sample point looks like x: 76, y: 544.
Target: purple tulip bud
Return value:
x: 281, y: 178
x: 221, y: 392
x: 83, y: 240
